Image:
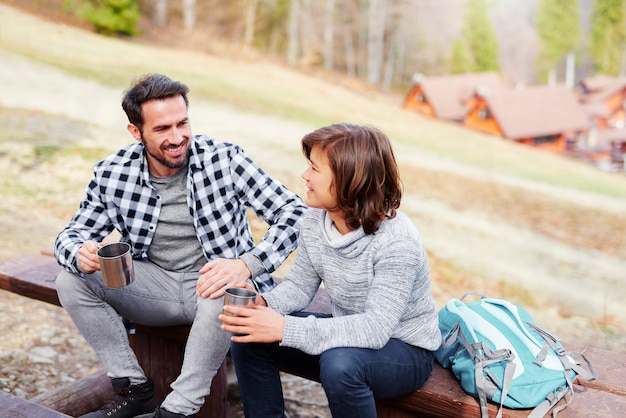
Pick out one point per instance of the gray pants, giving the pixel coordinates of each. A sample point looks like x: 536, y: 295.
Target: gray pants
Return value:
x: 155, y: 298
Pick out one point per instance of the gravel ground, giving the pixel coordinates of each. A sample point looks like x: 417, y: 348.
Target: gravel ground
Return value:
x: 40, y: 347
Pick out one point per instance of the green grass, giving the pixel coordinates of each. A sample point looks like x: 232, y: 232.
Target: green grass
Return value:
x: 262, y: 87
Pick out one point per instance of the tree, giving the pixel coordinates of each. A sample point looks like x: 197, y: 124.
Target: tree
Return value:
x: 480, y: 37
x: 249, y: 23
x: 189, y: 14
x: 347, y: 24
x: 608, y: 36
x: 160, y: 13
x: 112, y: 16
x: 188, y: 10
x: 271, y: 26
x: 460, y: 60
x: 558, y: 27
x: 376, y: 22
x: 329, y: 30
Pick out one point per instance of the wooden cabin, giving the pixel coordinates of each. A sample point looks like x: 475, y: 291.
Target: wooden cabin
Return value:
x: 606, y: 148
x: 547, y: 117
x: 605, y: 100
x: 445, y: 97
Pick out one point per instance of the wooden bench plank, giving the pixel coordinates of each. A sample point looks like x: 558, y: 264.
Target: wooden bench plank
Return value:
x: 590, y: 402
x: 32, y: 276
x: 611, y: 368
x: 78, y: 397
x: 160, y: 355
x: 442, y: 396
x: 14, y: 407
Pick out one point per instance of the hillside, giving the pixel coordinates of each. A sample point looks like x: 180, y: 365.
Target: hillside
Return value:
x: 496, y: 217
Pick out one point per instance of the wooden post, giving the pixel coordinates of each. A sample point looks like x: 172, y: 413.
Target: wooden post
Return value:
x: 160, y: 352
x: 12, y: 406
x: 79, y: 397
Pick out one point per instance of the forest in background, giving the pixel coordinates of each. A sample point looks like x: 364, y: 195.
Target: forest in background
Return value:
x: 385, y: 42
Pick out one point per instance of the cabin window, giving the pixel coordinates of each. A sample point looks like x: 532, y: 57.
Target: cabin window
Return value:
x: 420, y: 98
x: 484, y: 113
x: 545, y: 139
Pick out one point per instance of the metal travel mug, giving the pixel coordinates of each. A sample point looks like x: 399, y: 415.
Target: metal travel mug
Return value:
x: 239, y: 296
x: 116, y: 264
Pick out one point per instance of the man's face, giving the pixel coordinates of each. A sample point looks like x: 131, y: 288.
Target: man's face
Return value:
x: 166, y: 135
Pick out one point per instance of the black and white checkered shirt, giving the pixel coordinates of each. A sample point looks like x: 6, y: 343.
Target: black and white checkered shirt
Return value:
x: 222, y: 183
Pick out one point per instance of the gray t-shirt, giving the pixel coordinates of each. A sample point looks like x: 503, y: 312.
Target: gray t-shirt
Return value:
x: 175, y: 246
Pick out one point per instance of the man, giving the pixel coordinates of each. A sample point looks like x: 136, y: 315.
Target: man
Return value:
x: 180, y: 201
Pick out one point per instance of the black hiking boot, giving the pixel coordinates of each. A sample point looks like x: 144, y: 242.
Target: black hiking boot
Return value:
x: 128, y: 401
x: 162, y: 413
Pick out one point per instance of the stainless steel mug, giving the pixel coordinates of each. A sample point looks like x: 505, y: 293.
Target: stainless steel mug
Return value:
x: 239, y: 296
x: 116, y: 264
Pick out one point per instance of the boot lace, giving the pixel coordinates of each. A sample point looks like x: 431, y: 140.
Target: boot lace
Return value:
x: 118, y: 401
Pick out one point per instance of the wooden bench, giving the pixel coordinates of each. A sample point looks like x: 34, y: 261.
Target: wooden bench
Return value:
x: 11, y: 406
x: 160, y: 352
x: 158, y: 349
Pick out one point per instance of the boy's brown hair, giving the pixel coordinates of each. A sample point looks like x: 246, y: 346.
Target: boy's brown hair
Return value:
x: 366, y: 177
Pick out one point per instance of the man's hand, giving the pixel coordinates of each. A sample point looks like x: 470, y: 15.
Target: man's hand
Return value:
x: 258, y: 324
x: 218, y: 275
x: 88, y: 260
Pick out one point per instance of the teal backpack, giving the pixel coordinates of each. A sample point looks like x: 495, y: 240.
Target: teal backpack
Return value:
x: 499, y: 354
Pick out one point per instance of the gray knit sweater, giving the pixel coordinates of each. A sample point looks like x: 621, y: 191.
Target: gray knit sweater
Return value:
x: 379, y: 287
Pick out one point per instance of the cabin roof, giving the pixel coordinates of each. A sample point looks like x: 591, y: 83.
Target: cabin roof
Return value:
x: 536, y: 111
x: 447, y: 94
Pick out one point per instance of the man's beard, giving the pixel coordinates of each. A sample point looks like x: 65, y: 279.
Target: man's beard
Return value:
x: 165, y: 161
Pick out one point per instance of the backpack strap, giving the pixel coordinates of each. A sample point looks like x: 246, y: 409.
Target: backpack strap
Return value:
x: 472, y: 293
x: 569, y: 365
x: 552, y: 399
x: 486, y: 357
x: 566, y: 357
x: 483, y: 357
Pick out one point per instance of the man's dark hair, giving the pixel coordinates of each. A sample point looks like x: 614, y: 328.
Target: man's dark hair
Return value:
x: 150, y: 87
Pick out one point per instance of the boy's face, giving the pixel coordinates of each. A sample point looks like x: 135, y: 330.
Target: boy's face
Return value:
x: 319, y: 180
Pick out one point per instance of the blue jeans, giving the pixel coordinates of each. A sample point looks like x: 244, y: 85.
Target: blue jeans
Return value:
x: 155, y: 298
x: 351, y: 377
